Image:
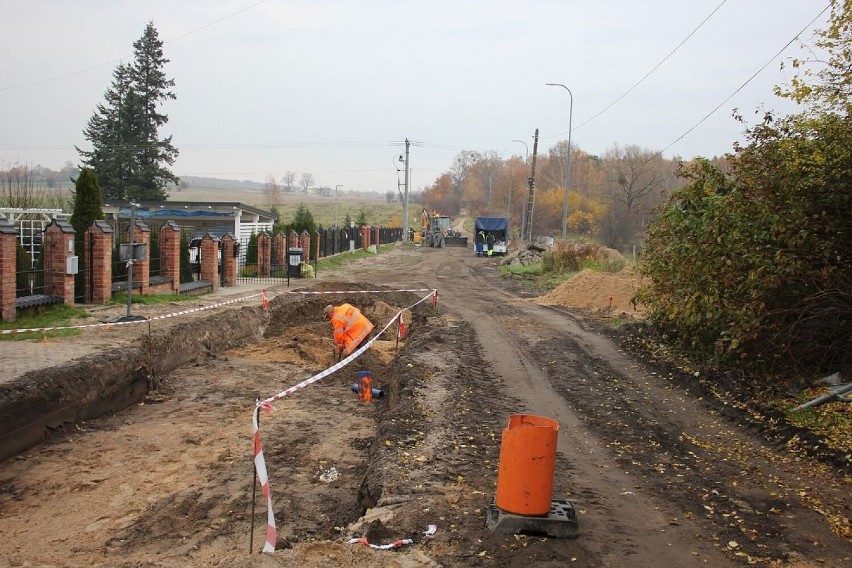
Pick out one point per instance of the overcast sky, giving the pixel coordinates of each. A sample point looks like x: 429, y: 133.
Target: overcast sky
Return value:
x: 333, y: 87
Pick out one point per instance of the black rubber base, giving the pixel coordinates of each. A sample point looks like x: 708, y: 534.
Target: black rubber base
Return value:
x: 561, y: 522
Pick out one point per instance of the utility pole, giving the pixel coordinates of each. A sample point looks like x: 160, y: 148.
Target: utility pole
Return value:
x: 405, y: 235
x: 526, y: 234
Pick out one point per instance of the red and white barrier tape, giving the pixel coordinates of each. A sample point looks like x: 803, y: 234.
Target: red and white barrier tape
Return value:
x: 395, y: 544
x: 263, y: 294
x: 266, y: 405
x: 107, y: 325
x: 359, y: 291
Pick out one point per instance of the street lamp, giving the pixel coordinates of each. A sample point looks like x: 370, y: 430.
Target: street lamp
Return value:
x: 405, y: 160
x: 568, y: 165
x: 526, y: 150
x: 526, y: 161
x: 336, y: 187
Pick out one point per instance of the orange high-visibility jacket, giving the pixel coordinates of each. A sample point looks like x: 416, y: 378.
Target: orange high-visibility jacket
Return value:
x: 350, y: 327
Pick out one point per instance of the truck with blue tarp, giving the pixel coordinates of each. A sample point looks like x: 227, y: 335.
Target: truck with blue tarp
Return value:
x: 491, y: 236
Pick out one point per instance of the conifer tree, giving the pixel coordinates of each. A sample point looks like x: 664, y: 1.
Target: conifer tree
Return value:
x: 130, y: 160
x: 87, y: 201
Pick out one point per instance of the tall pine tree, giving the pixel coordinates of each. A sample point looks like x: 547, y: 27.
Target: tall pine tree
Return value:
x: 130, y: 160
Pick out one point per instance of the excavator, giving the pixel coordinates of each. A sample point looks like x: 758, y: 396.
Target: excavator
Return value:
x: 436, y: 230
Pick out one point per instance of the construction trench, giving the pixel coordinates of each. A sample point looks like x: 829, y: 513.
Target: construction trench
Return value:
x: 327, y: 470
x: 660, y: 473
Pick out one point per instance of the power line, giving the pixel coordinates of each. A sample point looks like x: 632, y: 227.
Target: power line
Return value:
x: 224, y: 145
x: 740, y: 88
x: 648, y: 74
x: 75, y: 73
x: 213, y: 23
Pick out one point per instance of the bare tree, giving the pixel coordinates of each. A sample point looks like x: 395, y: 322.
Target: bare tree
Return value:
x: 461, y: 168
x: 491, y: 166
x: 19, y: 188
x: 554, y: 171
x: 637, y: 178
x: 637, y: 173
x: 272, y: 193
x: 288, y: 181
x: 307, y: 181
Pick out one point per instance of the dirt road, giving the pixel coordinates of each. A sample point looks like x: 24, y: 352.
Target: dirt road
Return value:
x: 658, y: 477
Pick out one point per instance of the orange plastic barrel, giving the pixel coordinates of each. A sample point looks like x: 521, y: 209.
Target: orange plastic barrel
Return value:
x: 527, y: 463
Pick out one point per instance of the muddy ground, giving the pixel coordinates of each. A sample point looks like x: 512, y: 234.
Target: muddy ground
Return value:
x: 659, y: 475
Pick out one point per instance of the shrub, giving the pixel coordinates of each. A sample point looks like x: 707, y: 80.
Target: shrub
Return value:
x: 567, y: 256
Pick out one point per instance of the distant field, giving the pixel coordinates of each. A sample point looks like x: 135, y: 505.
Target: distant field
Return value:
x: 376, y: 208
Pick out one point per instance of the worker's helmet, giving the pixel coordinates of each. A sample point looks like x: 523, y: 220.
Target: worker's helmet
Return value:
x: 327, y: 310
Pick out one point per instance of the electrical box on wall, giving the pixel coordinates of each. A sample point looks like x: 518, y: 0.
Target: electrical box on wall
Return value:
x: 72, y: 264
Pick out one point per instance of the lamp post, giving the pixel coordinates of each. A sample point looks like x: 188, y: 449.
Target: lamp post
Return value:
x: 526, y: 150
x: 336, y: 187
x: 568, y: 165
x: 405, y: 161
x: 526, y: 161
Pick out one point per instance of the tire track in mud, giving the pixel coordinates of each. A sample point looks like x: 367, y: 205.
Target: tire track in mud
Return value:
x: 436, y: 442
x: 726, y: 480
x: 611, y: 529
x: 729, y: 483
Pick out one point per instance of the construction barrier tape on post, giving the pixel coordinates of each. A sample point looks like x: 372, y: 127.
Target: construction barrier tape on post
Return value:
x: 266, y: 405
x: 263, y: 295
x: 110, y: 324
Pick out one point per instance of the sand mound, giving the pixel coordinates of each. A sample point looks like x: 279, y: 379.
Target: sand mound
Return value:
x: 593, y: 290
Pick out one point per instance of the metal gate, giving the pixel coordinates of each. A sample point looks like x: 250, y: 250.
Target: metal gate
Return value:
x: 251, y: 270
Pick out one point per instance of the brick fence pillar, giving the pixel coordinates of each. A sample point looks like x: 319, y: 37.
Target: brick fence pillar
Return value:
x: 278, y: 251
x: 292, y: 240
x: 376, y: 231
x: 141, y: 236
x: 305, y: 245
x: 229, y: 260
x: 97, y: 258
x: 264, y: 255
x: 58, y: 248
x: 317, y: 246
x: 170, y: 254
x: 365, y: 237
x: 210, y: 260
x: 8, y: 270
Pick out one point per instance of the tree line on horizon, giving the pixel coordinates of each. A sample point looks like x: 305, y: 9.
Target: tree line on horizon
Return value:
x: 611, y: 197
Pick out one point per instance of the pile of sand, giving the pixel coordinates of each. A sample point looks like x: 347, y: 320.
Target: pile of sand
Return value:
x: 593, y: 290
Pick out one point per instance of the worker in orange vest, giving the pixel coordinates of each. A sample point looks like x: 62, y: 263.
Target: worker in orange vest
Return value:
x: 350, y: 326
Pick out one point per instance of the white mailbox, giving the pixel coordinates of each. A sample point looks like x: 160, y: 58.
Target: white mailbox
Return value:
x: 72, y: 264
